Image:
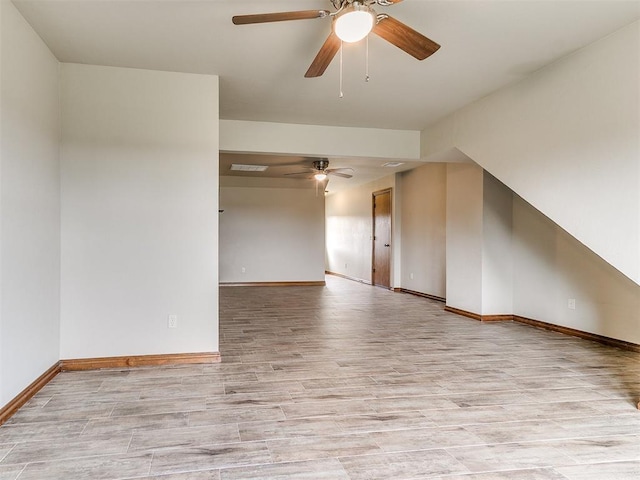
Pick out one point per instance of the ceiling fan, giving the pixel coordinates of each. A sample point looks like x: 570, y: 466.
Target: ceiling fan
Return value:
x: 320, y: 171
x: 351, y: 22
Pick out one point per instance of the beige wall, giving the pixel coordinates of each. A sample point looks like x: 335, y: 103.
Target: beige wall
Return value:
x: 29, y: 205
x: 497, y: 255
x: 349, y: 228
x: 479, y: 267
x: 566, y: 139
x: 275, y: 234
x: 139, y: 164
x: 551, y: 267
x: 109, y: 209
x: 311, y: 140
x: 423, y: 229
x: 502, y: 255
x: 464, y: 237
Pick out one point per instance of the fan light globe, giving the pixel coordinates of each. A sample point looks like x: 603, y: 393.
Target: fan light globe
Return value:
x: 354, y: 24
x: 320, y: 176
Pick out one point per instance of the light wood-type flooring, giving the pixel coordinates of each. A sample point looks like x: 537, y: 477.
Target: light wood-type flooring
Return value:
x: 345, y: 381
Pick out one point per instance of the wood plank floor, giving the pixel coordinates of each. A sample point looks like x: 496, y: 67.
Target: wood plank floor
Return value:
x: 345, y: 381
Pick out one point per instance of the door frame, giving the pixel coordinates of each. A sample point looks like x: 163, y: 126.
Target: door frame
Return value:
x: 388, y: 190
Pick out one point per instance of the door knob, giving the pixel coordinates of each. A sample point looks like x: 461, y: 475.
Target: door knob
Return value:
x: 386, y: 245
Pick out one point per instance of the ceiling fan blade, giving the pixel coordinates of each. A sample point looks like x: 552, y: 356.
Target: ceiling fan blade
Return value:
x: 340, y: 174
x: 324, y: 56
x: 404, y: 37
x: 342, y: 170
x: 386, y: 3
x: 300, y: 173
x: 278, y: 17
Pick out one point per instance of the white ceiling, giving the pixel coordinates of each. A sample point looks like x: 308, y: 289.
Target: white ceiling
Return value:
x: 486, y: 44
x: 282, y: 167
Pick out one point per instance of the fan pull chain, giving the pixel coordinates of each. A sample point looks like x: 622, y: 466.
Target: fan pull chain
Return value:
x: 341, y: 94
x: 366, y: 73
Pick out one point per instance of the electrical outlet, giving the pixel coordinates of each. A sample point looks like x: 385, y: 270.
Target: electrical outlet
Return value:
x: 411, y: 276
x: 243, y: 270
x: 571, y: 304
x: 172, y: 321
x: 345, y: 266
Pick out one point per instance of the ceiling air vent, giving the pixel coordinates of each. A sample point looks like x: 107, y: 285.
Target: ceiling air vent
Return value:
x: 238, y: 167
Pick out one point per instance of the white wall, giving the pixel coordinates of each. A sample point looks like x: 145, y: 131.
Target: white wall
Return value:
x: 567, y: 139
x: 139, y: 211
x: 29, y: 205
x: 551, y: 267
x: 276, y: 234
x: 349, y: 227
x: 423, y: 228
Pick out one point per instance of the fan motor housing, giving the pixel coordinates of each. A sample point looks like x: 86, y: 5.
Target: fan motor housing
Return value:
x: 321, y: 164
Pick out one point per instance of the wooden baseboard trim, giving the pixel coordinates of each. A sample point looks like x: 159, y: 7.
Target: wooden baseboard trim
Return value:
x: 321, y: 283
x: 24, y: 396
x: 594, y: 337
x: 347, y: 277
x: 464, y: 313
x: 420, y: 294
x: 477, y: 316
x: 497, y: 318
x: 138, y: 361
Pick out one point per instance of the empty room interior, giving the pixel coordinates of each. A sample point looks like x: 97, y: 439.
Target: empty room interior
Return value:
x: 246, y: 240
